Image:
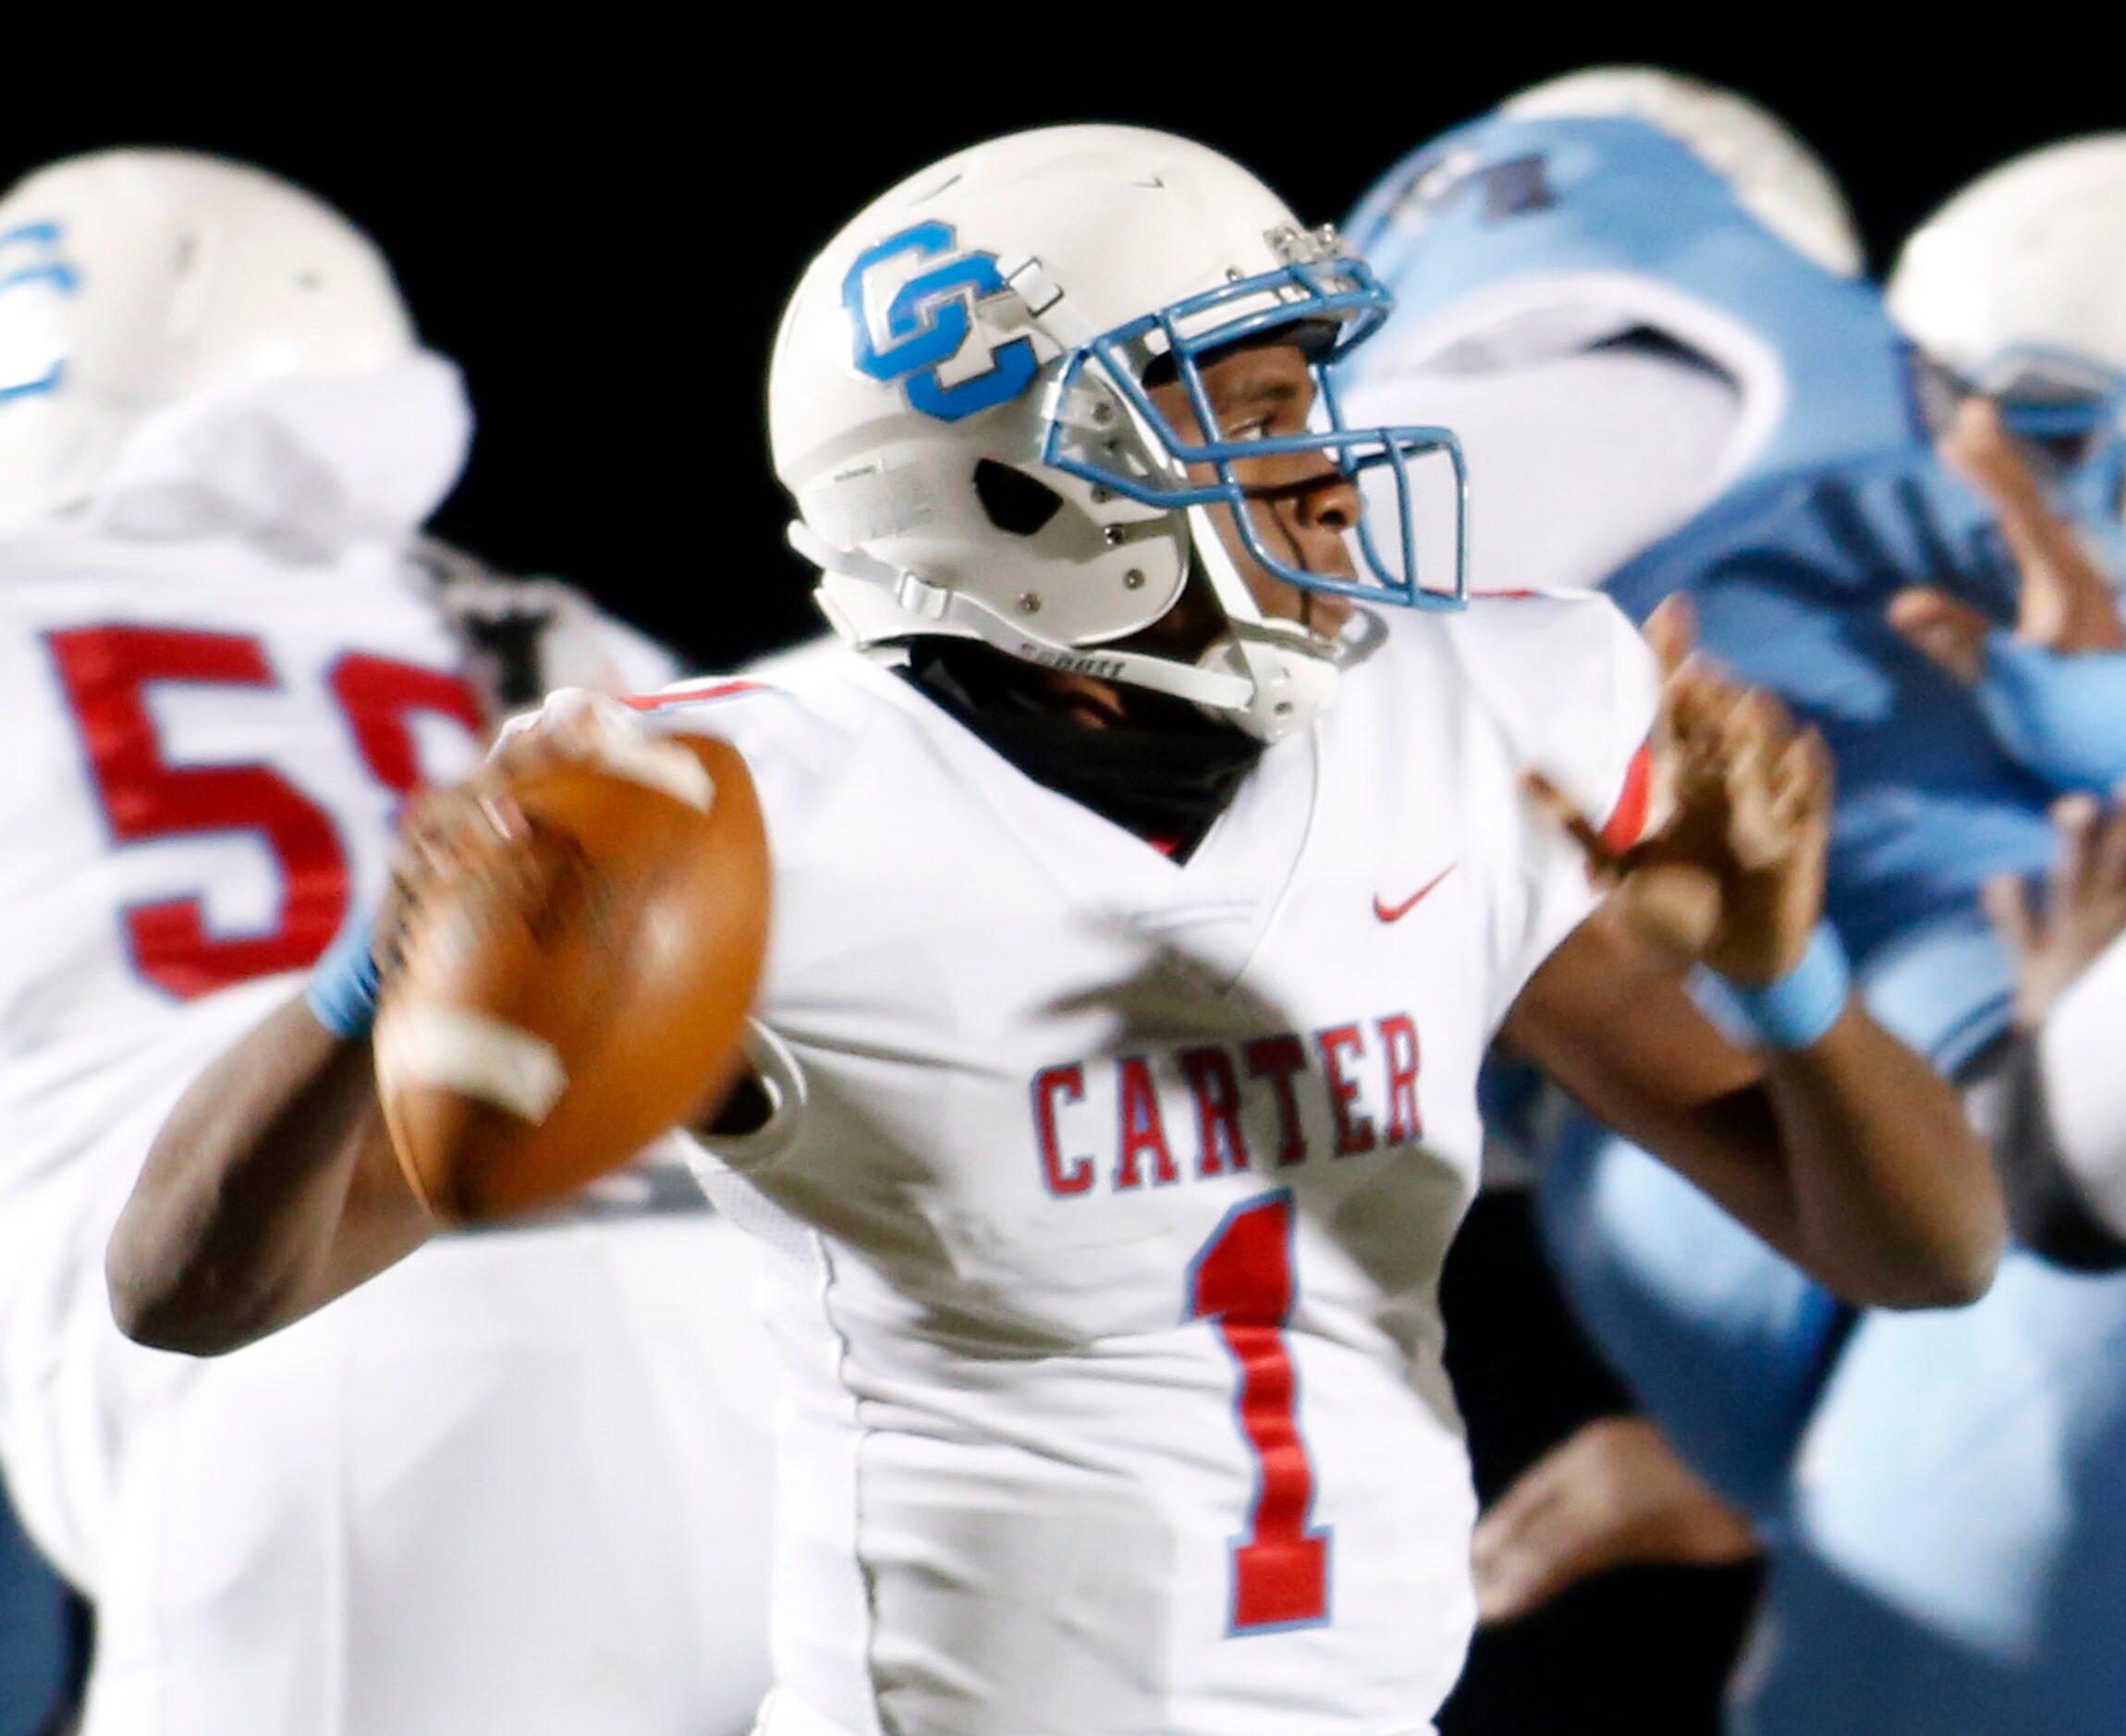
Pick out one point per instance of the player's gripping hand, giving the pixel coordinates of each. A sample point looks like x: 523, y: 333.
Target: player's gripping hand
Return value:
x: 472, y: 842
x: 1732, y: 874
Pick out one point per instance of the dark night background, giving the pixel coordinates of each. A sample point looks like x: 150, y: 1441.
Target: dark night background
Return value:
x: 598, y: 219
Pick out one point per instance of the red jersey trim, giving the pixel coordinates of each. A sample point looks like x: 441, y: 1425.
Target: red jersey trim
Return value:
x: 1627, y: 818
x: 695, y: 694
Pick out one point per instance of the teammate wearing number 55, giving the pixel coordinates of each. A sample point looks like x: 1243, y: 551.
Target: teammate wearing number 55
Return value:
x: 1123, y: 1091
x: 500, y: 1491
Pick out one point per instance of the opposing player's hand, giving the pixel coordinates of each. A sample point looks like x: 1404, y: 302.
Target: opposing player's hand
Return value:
x: 1945, y: 628
x: 2084, y: 910
x: 1733, y: 875
x: 1612, y: 1496
x: 2062, y: 603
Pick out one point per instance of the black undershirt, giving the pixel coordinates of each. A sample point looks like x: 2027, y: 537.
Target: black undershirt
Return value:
x: 1166, y: 776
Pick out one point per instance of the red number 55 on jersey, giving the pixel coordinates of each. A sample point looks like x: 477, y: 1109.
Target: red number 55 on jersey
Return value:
x: 109, y: 674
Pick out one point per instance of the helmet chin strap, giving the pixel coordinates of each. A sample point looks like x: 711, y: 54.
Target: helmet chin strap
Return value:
x: 1265, y: 678
x: 1215, y: 691
x: 1268, y: 678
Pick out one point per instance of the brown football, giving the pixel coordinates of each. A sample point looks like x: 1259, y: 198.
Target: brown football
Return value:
x: 525, y: 1052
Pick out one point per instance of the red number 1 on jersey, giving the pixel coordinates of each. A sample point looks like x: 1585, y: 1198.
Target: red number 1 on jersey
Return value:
x: 1243, y: 1278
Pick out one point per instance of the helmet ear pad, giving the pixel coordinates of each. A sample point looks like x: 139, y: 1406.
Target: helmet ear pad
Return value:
x: 1016, y: 502
x: 1123, y: 564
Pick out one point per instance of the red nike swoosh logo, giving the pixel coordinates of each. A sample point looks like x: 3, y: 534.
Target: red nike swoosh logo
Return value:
x: 1395, y: 913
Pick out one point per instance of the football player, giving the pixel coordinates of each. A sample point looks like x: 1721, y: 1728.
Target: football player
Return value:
x: 2010, y: 288
x: 1576, y: 282
x: 1123, y: 1108
x: 2007, y: 288
x: 510, y: 1491
x: 1583, y: 234
x: 1957, y: 1533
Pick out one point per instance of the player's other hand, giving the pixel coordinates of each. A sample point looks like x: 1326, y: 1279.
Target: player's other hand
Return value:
x: 1733, y: 875
x: 1612, y: 1496
x: 2084, y: 910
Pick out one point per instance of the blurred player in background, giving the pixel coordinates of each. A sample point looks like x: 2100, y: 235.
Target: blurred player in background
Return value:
x: 1107, y: 1295
x: 2014, y: 288
x: 515, y: 1487
x: 1666, y: 375
x: 1572, y: 247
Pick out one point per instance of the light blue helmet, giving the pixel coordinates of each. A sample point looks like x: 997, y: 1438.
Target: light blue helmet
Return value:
x: 1773, y: 174
x: 1626, y: 200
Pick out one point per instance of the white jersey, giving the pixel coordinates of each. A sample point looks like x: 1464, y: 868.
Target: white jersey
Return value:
x: 214, y: 749
x: 515, y: 1483
x: 1108, y: 1194
x: 206, y: 754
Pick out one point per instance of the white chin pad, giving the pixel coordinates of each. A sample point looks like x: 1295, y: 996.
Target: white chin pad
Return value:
x: 1293, y: 677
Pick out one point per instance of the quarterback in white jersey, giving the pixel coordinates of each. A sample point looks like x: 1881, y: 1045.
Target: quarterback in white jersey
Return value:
x: 515, y: 1490
x: 1122, y: 1015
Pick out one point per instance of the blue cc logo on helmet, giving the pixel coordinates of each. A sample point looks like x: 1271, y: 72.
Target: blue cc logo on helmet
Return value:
x: 33, y: 279
x: 929, y: 322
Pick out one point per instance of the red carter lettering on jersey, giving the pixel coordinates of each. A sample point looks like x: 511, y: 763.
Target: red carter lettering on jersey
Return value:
x: 1184, y: 1113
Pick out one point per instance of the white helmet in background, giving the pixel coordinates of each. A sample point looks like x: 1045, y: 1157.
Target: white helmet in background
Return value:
x: 956, y: 404
x: 2032, y: 255
x: 2018, y: 285
x: 131, y: 279
x: 1777, y: 179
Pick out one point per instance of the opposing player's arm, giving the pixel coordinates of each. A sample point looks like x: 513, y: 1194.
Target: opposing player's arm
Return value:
x: 1843, y: 1151
x: 270, y: 1189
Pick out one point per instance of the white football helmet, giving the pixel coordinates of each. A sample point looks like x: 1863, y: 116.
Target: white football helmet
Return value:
x: 956, y: 405
x: 130, y: 279
x: 1777, y: 179
x: 2032, y: 255
x: 2018, y: 287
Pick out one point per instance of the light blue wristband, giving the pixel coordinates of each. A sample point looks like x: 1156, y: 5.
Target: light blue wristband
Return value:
x: 342, y: 986
x: 1795, y: 1012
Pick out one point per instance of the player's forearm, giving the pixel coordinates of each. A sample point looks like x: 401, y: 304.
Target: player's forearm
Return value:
x: 265, y: 1195
x: 1848, y: 1157
x: 1892, y: 1197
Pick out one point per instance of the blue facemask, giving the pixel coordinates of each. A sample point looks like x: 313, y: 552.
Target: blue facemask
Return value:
x: 1332, y: 294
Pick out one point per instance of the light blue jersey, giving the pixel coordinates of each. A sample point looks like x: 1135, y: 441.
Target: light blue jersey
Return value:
x: 1954, y: 1559
x: 1839, y: 504
x: 36, y: 1641
x: 1891, y: 1543
x: 2063, y: 717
